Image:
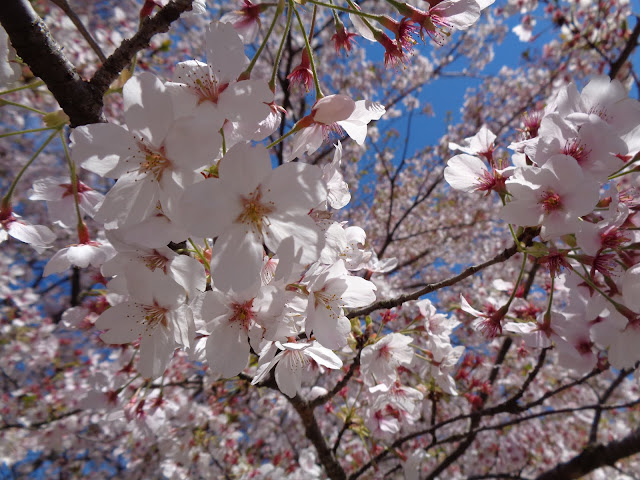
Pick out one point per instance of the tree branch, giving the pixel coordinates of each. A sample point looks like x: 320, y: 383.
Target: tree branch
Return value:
x: 80, y: 100
x: 526, y: 238
x: 33, y: 42
x: 632, y: 43
x: 66, y: 8
x: 594, y: 457
x: 124, y: 54
x: 312, y: 431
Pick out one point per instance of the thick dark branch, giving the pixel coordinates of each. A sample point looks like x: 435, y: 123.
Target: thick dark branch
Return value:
x: 312, y: 431
x: 34, y: 44
x: 595, y: 457
x: 593, y: 434
x: 632, y: 43
x: 80, y: 100
x: 526, y: 238
x: 124, y: 54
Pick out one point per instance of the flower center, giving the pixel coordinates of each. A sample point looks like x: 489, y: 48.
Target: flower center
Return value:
x: 297, y: 359
x: 154, y: 162
x: 254, y: 210
x: 68, y: 189
x: 550, y: 201
x: 156, y: 260
x: 574, y: 149
x: 242, y: 313
x: 154, y: 314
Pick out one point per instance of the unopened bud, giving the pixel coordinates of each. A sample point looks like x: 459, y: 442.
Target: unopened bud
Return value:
x: 56, y: 119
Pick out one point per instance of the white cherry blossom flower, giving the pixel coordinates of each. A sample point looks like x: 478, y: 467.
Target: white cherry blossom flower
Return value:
x: 12, y: 225
x: 211, y: 92
x: 338, y: 189
x: 229, y: 317
x: 330, y: 290
x: 254, y: 204
x: 81, y: 255
x: 345, y: 244
x: 152, y: 157
x: 58, y: 193
x: 553, y: 196
x: 379, y: 362
x: 601, y: 99
x: 480, y: 144
x: 156, y: 313
x: 332, y: 113
x: 291, y: 362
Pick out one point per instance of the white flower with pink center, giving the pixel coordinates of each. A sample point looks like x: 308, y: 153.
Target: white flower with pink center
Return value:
x: 553, y: 196
x: 156, y: 313
x: 229, y: 318
x: 470, y: 174
x: 330, y: 290
x: 212, y: 93
x: 58, y: 193
x: 81, y: 255
x: 380, y: 361
x: 12, y: 225
x: 600, y: 100
x: 480, y: 144
x: 251, y: 204
x: 291, y: 363
x: 152, y: 157
x: 334, y: 113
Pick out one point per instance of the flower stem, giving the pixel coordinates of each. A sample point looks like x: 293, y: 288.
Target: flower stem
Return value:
x: 279, y: 10
x: 19, y: 105
x: 74, y: 179
x: 24, y: 87
x: 6, y: 200
x: 276, y: 142
x: 548, y: 313
x: 276, y: 63
x: 345, y: 9
x: 312, y: 63
x: 31, y: 130
x: 199, y: 254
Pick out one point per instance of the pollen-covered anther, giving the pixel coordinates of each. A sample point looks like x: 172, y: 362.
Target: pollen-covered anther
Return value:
x: 208, y: 89
x: 242, y: 313
x: 254, y: 210
x: 332, y: 130
x: 550, y: 201
x: 323, y: 298
x: 154, y: 163
x: 154, y: 315
x: 575, y: 149
x: 297, y: 359
x: 156, y: 260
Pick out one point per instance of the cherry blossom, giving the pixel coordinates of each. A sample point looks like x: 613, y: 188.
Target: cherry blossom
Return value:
x: 262, y: 206
x: 380, y: 360
x: 290, y: 363
x: 156, y: 313
x: 263, y: 317
x: 334, y: 113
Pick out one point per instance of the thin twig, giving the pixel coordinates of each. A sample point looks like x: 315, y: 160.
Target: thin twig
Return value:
x: 66, y: 8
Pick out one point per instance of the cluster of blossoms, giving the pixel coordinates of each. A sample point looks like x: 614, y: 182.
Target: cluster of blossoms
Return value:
x: 390, y: 404
x: 211, y: 255
x: 258, y: 264
x: 570, y: 181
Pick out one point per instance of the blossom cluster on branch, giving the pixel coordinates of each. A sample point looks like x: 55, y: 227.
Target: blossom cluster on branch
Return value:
x: 243, y: 272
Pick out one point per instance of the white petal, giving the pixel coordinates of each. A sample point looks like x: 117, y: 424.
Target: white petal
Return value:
x: 147, y: 107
